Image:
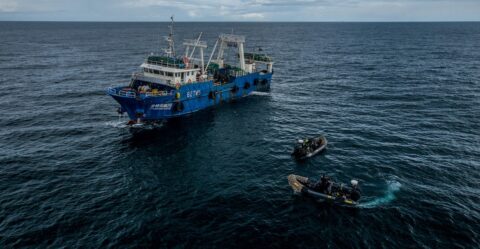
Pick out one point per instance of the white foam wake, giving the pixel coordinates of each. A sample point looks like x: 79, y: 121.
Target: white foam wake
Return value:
x: 392, y: 188
x: 259, y: 93
x: 117, y: 124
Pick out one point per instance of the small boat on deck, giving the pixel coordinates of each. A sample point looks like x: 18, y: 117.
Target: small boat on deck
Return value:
x: 309, y: 147
x: 326, y: 190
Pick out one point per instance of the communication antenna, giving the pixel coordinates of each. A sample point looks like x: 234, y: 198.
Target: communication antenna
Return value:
x: 171, y: 44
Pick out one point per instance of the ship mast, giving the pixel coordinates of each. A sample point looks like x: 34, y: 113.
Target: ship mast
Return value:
x: 171, y: 45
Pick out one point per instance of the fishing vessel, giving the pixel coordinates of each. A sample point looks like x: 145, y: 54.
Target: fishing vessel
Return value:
x: 170, y: 86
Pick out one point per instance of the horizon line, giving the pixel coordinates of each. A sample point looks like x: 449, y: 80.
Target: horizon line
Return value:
x: 393, y: 21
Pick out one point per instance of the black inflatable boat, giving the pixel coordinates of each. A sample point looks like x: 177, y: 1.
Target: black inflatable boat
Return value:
x: 309, y: 147
x: 339, y: 194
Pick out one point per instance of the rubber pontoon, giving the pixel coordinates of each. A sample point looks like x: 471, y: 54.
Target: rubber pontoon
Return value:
x: 310, y: 147
x: 339, y: 192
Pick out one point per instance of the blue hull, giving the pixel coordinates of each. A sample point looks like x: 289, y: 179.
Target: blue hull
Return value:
x: 188, y: 98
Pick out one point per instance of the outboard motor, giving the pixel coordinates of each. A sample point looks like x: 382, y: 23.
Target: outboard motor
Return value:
x: 355, y: 193
x: 298, y: 149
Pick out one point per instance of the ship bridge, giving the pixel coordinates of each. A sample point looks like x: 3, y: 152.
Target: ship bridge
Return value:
x: 178, y: 71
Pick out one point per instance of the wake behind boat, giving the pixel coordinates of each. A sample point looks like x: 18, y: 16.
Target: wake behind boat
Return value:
x: 171, y: 86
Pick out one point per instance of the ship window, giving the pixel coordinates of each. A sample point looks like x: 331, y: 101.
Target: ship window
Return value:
x: 161, y: 73
x: 156, y: 72
x: 169, y: 74
x: 182, y: 76
x: 150, y: 70
x: 145, y: 70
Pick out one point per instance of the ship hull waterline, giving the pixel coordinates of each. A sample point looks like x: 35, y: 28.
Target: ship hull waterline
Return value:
x: 187, y: 99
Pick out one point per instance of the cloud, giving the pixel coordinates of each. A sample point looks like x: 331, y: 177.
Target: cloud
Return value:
x: 227, y: 9
x: 253, y: 16
x: 8, y: 6
x: 241, y: 10
x: 35, y: 6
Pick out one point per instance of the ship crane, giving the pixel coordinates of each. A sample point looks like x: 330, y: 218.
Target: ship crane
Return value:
x: 230, y: 40
x: 193, y: 44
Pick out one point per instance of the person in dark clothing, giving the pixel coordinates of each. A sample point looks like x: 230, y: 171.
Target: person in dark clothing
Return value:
x: 355, y: 193
x: 299, y: 150
x: 329, y: 188
x: 322, y: 185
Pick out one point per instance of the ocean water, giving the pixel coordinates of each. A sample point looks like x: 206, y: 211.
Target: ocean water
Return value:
x: 398, y: 102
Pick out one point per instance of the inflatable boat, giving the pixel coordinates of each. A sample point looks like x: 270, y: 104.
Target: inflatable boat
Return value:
x: 339, y: 194
x: 309, y: 147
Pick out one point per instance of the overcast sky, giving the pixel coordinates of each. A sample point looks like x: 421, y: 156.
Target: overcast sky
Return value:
x: 240, y: 10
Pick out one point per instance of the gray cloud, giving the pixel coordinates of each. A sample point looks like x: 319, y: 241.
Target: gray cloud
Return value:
x: 241, y: 10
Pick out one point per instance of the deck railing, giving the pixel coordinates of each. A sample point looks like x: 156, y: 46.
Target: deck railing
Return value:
x: 165, y: 64
x: 133, y: 94
x: 122, y: 92
x: 159, y: 93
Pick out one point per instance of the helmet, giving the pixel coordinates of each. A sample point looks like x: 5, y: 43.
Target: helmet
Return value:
x: 300, y: 141
x: 354, y: 182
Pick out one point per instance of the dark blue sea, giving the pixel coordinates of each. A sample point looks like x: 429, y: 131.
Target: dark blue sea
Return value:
x: 398, y: 102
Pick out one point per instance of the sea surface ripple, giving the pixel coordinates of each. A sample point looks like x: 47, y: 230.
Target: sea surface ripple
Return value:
x: 398, y: 102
